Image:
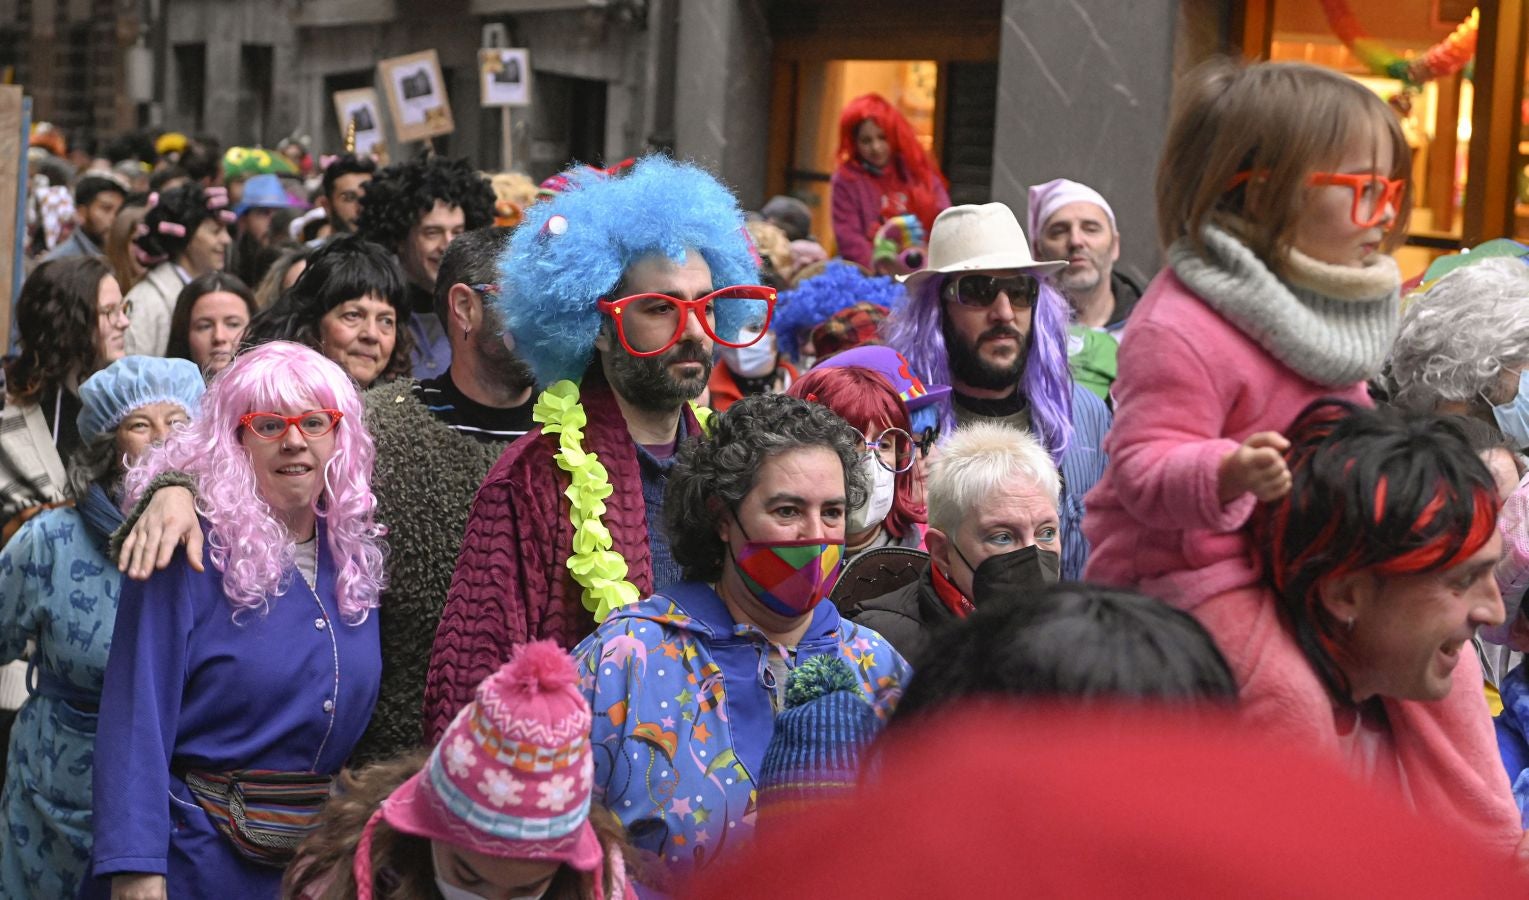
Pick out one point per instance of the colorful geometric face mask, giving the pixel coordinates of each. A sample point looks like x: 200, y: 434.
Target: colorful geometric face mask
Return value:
x: 789, y: 577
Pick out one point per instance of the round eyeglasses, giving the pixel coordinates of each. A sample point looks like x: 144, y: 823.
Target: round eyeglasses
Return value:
x: 273, y: 426
x: 735, y: 316
x: 894, y: 449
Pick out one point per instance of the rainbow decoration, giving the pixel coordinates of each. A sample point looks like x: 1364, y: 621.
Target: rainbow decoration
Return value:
x: 1444, y: 58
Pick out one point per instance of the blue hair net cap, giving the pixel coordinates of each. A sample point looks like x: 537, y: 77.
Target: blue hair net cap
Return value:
x: 133, y: 382
x: 572, y: 250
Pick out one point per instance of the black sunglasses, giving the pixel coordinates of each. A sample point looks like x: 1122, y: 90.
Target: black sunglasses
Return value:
x: 981, y: 290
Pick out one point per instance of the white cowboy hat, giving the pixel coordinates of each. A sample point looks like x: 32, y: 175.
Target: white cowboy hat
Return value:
x: 978, y: 238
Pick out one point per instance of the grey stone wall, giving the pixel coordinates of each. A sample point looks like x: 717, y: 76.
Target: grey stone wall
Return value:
x: 1084, y: 88
x: 722, y: 92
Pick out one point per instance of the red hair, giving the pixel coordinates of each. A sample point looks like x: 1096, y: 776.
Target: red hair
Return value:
x: 908, y: 155
x: 864, y: 398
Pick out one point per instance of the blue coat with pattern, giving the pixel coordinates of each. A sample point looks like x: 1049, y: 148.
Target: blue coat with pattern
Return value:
x: 58, y: 590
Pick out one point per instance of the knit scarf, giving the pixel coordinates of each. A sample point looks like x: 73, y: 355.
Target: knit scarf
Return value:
x: 1332, y: 324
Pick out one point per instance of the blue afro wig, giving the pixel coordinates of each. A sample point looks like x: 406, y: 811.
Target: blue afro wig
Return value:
x: 840, y: 286
x: 552, y: 275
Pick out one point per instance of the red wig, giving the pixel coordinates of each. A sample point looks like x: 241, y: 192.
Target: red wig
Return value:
x: 908, y: 155
x: 866, y: 400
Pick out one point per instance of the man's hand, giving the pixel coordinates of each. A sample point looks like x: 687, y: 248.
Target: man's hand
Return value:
x: 138, y: 887
x: 1257, y: 467
x: 167, y: 522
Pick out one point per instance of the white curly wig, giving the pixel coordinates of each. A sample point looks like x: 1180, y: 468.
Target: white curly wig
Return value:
x: 1456, y: 339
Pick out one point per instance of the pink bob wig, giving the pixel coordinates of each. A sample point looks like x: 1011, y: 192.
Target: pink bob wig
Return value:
x: 865, y: 399
x: 246, y: 542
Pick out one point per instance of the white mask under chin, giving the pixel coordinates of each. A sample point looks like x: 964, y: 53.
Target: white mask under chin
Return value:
x: 878, y: 501
x: 452, y: 892
x: 754, y: 360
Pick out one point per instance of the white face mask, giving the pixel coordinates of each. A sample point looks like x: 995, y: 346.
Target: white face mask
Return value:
x: 878, y: 501
x: 751, y: 361
x: 452, y: 892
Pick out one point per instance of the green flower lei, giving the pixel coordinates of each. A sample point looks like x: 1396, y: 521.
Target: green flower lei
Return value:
x: 598, y: 569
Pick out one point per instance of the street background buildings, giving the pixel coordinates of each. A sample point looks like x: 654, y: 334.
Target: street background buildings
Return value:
x: 1006, y: 92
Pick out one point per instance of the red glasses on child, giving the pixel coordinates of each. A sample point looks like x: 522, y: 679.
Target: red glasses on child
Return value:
x: 1373, y: 194
x: 271, y: 426
x: 649, y: 324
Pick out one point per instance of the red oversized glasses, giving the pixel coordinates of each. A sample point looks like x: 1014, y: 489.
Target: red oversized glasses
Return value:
x: 725, y: 315
x: 272, y: 426
x: 1373, y: 194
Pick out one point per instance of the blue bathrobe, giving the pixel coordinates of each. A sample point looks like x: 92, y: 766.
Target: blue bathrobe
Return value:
x: 58, y: 590
x: 191, y: 687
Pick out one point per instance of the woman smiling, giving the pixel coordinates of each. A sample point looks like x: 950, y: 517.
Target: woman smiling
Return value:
x: 349, y: 305
x: 246, y: 685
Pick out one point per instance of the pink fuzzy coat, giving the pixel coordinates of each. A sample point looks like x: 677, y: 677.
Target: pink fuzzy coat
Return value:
x: 1191, y: 388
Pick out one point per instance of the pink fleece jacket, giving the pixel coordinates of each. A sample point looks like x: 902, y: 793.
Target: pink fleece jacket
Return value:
x: 1191, y: 388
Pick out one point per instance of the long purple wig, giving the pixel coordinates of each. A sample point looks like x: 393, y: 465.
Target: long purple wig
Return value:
x: 246, y: 542
x: 914, y: 331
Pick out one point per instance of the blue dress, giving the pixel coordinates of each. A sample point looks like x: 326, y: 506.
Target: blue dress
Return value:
x: 189, y: 687
x: 58, y: 590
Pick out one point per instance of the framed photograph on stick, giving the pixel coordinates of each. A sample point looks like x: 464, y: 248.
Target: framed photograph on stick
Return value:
x: 505, y: 75
x: 359, y: 113
x: 416, y: 96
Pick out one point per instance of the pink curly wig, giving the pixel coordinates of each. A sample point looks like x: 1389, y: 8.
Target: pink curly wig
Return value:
x: 247, y: 543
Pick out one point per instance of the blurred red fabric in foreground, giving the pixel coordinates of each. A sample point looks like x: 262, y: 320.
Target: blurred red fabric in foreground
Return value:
x: 1097, y: 802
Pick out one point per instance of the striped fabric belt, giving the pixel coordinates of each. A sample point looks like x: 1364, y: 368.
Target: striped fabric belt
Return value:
x: 265, y: 814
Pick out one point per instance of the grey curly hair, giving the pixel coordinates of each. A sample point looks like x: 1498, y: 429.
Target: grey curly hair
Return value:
x: 713, y: 475
x: 92, y: 462
x: 1457, y: 338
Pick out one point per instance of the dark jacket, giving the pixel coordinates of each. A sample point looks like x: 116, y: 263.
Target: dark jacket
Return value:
x: 1127, y: 291
x: 890, y: 592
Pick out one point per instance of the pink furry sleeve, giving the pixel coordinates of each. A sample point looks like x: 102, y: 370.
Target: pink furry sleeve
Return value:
x: 852, y: 222
x: 1168, y: 439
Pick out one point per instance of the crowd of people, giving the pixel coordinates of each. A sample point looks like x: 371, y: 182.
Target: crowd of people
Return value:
x: 415, y: 532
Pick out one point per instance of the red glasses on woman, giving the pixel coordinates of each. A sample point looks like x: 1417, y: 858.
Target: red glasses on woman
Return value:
x: 649, y: 324
x: 271, y: 426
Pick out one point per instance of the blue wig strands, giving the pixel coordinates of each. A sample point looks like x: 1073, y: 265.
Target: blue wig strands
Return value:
x: 551, y: 277
x: 914, y: 331
x: 839, y: 286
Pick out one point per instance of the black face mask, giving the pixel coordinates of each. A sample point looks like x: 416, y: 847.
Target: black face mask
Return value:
x: 1010, y: 577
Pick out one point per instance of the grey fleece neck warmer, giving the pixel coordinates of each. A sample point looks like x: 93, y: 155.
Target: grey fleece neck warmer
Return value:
x: 1333, y: 325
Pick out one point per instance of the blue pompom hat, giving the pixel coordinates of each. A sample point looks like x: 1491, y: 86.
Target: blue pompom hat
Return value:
x: 814, y: 753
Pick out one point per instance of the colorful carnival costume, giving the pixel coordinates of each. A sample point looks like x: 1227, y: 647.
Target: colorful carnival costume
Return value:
x: 681, y: 766
x: 287, y: 690
x: 567, y: 525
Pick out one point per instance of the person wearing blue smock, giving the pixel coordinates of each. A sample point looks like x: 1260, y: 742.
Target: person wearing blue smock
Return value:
x: 237, y: 687
x: 59, y: 592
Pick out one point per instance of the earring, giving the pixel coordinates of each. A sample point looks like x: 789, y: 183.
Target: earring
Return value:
x: 1350, y: 624
x: 466, y: 332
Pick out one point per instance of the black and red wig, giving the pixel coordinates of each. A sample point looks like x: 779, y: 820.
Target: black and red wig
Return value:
x: 1371, y: 490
